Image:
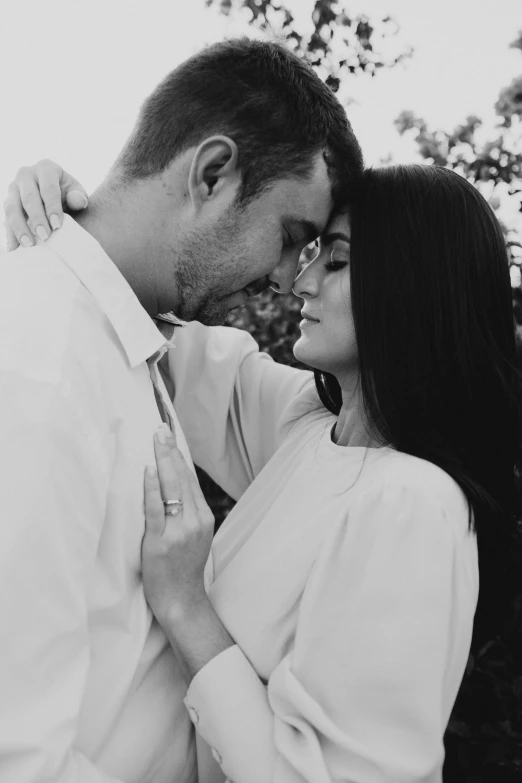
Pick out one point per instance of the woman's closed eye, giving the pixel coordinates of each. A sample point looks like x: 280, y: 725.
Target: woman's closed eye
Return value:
x: 338, y: 260
x: 335, y: 266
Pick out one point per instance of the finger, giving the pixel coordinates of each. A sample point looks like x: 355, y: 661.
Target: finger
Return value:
x: 48, y: 177
x: 76, y: 198
x: 10, y: 238
x: 171, y: 482
x: 154, y: 510
x: 15, y: 219
x: 196, y: 517
x: 56, y: 187
x: 198, y: 497
x: 33, y: 206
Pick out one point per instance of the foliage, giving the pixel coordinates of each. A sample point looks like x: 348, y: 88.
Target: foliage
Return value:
x: 339, y: 44
x: 483, y: 740
x: 494, y: 165
x: 486, y: 162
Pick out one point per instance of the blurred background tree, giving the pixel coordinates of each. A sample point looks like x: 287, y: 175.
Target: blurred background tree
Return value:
x: 483, y: 742
x: 492, y: 163
x: 338, y: 43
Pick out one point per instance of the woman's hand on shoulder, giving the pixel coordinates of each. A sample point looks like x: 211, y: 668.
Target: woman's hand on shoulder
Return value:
x: 34, y: 204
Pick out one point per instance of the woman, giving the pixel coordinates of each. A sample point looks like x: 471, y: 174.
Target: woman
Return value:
x: 327, y: 635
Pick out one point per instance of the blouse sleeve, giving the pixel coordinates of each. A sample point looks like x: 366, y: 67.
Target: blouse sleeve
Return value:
x: 230, y: 399
x: 381, y: 646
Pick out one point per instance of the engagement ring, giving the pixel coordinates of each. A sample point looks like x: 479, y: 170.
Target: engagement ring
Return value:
x: 173, y: 507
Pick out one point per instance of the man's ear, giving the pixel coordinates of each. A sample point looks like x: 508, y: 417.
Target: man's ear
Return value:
x: 214, y: 172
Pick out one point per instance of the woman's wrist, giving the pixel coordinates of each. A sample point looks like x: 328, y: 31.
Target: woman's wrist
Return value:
x: 195, y: 633
x: 193, y: 610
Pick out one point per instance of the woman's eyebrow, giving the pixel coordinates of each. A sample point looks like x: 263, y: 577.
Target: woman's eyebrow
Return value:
x: 327, y: 239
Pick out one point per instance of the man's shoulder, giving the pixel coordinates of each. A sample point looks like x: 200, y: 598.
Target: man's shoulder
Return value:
x: 34, y: 275
x: 42, y: 302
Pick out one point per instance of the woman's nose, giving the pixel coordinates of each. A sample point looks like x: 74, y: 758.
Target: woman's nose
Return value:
x: 305, y: 284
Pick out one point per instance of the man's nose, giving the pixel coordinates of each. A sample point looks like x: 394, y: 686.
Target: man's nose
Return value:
x: 282, y: 279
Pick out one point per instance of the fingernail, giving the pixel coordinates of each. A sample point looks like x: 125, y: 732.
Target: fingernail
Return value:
x: 161, y: 436
x: 26, y: 241
x: 42, y: 233
x: 170, y: 435
x: 78, y: 198
x: 151, y: 471
x: 54, y: 220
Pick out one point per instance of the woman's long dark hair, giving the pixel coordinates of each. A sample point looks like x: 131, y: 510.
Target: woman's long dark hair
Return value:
x: 431, y: 302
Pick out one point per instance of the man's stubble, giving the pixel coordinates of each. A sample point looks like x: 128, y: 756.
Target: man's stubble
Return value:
x: 208, y: 270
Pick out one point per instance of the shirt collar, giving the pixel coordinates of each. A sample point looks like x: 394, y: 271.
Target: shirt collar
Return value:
x: 136, y: 330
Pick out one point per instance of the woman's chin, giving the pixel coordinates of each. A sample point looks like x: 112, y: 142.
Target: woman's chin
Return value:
x: 303, y: 353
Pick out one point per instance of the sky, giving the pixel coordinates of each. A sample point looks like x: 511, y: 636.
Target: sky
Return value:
x: 73, y: 74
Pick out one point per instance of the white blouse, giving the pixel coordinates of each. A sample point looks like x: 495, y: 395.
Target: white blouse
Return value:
x: 347, y: 577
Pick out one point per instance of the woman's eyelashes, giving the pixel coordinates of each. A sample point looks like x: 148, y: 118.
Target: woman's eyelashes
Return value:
x: 339, y: 257
x: 334, y: 263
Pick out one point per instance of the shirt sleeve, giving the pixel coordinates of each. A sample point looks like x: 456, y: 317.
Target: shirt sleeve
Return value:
x: 52, y: 500
x: 381, y: 646
x: 232, y: 401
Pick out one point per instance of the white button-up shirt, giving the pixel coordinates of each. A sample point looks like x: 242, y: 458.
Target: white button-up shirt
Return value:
x: 89, y: 688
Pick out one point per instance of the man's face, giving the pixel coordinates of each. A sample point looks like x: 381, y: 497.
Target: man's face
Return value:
x: 243, y: 250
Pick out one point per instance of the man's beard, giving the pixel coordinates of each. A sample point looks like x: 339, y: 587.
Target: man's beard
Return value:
x: 200, y: 296
x: 206, y: 272
x: 208, y: 311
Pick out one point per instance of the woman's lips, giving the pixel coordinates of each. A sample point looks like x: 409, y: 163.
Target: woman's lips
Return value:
x: 308, y: 320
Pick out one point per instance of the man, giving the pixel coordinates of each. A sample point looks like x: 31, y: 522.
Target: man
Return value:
x: 233, y: 167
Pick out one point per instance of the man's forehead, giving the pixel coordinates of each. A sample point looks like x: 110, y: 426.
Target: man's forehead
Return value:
x: 311, y: 211
x: 306, y: 203
x: 317, y: 199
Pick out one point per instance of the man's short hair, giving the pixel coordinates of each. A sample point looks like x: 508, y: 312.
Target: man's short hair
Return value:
x: 261, y: 95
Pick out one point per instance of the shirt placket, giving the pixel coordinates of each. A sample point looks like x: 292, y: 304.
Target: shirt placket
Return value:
x: 160, y: 392
x: 165, y: 406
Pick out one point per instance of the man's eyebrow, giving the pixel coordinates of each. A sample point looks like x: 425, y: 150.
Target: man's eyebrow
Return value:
x: 307, y: 228
x: 327, y: 239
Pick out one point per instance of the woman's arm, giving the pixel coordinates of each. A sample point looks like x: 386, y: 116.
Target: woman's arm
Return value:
x: 232, y: 401
x: 380, y: 650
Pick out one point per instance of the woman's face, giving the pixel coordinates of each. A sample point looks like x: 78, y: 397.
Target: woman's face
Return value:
x: 327, y: 339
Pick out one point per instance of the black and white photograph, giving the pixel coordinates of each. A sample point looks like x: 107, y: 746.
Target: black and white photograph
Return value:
x: 261, y: 391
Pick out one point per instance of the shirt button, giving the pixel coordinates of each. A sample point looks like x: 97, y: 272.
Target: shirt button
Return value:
x: 216, y: 755
x: 194, y: 717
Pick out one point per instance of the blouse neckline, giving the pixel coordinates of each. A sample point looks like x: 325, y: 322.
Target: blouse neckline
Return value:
x: 354, y: 451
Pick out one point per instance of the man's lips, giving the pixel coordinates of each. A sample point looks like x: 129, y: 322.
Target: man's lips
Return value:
x: 255, y: 288
x: 252, y: 289
x: 238, y: 299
